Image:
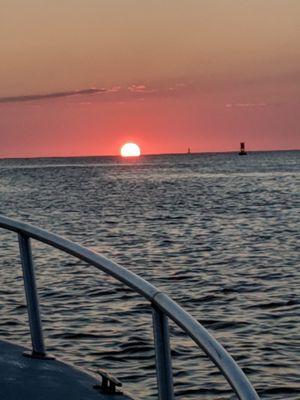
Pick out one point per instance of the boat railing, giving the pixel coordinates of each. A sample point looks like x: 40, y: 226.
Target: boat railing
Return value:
x: 163, y: 309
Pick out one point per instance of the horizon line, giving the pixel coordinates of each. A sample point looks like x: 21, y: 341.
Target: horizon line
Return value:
x: 143, y: 155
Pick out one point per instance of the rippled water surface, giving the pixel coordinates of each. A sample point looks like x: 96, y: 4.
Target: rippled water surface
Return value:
x: 217, y: 232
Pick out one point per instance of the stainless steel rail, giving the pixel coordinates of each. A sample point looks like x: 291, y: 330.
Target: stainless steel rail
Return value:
x: 163, y: 307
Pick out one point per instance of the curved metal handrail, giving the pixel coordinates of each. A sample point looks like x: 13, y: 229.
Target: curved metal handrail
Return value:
x: 163, y: 307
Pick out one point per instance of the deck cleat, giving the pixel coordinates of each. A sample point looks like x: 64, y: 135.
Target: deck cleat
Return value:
x: 109, y: 383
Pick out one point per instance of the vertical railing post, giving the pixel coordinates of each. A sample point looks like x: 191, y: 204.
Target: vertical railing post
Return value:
x: 38, y: 348
x: 162, y: 355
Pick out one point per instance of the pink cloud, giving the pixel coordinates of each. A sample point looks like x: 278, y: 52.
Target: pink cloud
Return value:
x: 137, y: 88
x: 246, y: 105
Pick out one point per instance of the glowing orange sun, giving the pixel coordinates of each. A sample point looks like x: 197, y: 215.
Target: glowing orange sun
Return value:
x: 130, y: 150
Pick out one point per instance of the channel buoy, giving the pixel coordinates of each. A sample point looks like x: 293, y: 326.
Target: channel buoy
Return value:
x: 242, y: 150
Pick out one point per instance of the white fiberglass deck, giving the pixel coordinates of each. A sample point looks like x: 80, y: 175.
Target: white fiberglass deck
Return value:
x: 24, y: 378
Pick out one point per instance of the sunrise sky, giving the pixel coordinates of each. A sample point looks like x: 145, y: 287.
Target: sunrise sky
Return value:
x: 166, y: 74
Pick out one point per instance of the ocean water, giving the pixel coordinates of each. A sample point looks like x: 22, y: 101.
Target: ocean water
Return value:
x: 219, y: 233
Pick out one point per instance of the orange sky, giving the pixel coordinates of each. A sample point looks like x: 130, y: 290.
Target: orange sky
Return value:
x: 204, y: 74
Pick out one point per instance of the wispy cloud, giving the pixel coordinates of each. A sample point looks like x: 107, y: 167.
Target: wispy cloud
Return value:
x: 116, y: 92
x: 140, y: 89
x: 246, y: 105
x: 114, y: 89
x: 54, y: 95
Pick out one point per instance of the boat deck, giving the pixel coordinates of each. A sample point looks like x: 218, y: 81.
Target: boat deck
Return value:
x: 23, y: 378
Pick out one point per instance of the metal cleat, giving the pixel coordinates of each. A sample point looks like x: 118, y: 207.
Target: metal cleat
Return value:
x: 109, y: 383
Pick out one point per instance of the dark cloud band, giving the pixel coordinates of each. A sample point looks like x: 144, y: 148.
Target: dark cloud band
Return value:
x: 55, y: 95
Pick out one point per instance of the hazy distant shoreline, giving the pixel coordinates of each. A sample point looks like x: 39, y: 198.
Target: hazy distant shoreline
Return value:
x: 142, y: 155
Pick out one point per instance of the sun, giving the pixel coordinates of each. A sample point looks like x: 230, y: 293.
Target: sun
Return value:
x: 130, y: 150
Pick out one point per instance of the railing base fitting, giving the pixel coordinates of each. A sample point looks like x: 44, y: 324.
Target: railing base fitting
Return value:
x: 38, y: 356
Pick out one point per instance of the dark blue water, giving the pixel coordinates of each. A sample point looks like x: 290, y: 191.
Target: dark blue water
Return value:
x: 217, y: 232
